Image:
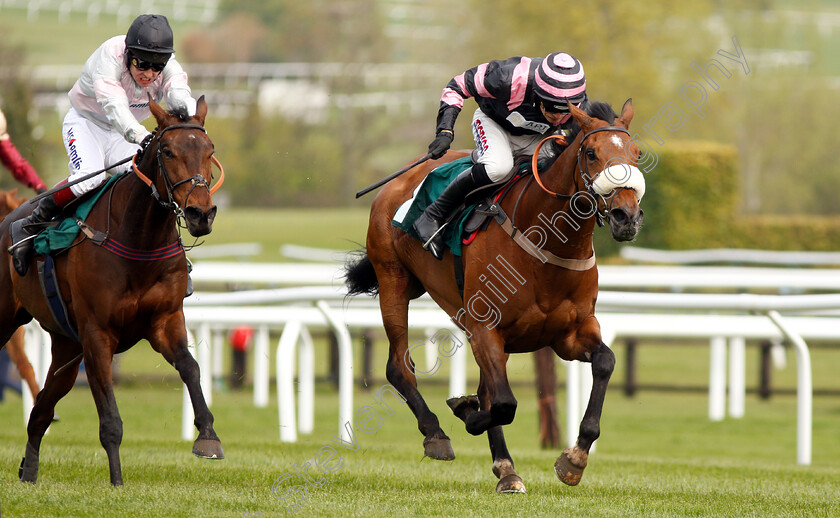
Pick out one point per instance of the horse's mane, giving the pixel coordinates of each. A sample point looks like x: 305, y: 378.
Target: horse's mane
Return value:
x: 181, y: 113
x: 601, y: 110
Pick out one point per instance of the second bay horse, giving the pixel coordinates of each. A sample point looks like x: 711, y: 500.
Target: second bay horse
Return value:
x: 530, y: 282
x: 124, y: 286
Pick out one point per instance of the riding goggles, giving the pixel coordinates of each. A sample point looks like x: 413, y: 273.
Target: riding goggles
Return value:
x: 146, y: 65
x: 560, y: 107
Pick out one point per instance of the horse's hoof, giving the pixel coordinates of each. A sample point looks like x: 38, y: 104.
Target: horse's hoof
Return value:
x: 208, y: 449
x: 462, y: 406
x: 27, y: 473
x: 438, y: 448
x: 511, y: 484
x: 570, y: 465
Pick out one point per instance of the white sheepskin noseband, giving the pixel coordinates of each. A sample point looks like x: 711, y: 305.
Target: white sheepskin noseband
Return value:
x: 620, y: 175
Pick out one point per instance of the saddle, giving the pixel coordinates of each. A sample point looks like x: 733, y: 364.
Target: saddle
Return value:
x: 473, y: 216
x: 62, y: 232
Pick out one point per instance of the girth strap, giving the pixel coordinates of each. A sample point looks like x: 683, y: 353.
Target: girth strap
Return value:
x: 578, y: 265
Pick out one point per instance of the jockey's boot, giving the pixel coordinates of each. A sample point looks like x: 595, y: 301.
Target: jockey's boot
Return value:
x: 429, y: 224
x: 24, y: 230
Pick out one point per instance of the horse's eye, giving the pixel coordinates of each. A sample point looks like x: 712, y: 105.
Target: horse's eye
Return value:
x: 167, y: 153
x: 590, y: 155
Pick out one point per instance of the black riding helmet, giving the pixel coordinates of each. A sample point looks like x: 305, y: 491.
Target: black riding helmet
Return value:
x: 150, y: 38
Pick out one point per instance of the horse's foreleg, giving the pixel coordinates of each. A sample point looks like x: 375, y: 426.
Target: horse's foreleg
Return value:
x: 60, y: 379
x: 172, y: 344
x: 466, y: 406
x: 400, y: 373
x: 498, y: 404
x: 98, y: 354
x: 570, y: 465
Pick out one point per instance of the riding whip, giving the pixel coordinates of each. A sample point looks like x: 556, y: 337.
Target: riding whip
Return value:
x: 77, y: 180
x: 382, y: 182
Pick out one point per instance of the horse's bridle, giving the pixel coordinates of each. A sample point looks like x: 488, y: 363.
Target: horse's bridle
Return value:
x: 196, y: 180
x: 584, y: 174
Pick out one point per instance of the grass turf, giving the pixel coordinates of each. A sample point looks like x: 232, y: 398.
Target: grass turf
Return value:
x: 658, y: 456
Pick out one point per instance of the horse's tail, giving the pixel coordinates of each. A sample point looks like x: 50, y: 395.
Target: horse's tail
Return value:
x: 359, y: 275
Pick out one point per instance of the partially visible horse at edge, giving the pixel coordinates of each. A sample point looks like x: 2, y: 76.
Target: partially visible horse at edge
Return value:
x: 127, y: 287
x: 536, y: 304
x: 9, y: 201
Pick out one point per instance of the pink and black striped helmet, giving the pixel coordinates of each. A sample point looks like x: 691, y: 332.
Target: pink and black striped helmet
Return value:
x: 558, y: 79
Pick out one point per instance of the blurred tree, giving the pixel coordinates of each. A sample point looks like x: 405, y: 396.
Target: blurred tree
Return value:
x: 273, y: 162
x: 16, y: 102
x: 628, y: 49
x: 237, y: 39
x: 640, y: 50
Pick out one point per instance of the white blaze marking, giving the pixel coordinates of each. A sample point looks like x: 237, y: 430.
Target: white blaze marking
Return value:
x: 617, y: 141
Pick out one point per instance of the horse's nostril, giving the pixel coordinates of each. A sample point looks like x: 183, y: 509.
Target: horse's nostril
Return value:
x: 193, y: 213
x: 619, y: 216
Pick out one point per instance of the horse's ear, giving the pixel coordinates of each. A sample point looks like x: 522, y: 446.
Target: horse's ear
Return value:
x: 201, y: 110
x: 626, y: 113
x: 159, y: 113
x: 583, y: 120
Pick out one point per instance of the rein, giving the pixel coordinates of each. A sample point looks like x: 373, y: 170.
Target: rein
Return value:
x: 196, y: 180
x: 507, y: 222
x: 107, y: 242
x: 583, y: 174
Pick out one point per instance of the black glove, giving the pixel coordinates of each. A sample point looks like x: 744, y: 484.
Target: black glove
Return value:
x: 41, y: 190
x: 441, y: 143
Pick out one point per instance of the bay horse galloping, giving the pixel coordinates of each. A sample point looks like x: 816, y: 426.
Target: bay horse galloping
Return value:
x: 512, y: 301
x: 124, y: 286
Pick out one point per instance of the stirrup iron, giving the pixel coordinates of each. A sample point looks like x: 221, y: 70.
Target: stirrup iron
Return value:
x: 17, y: 245
x: 433, y: 236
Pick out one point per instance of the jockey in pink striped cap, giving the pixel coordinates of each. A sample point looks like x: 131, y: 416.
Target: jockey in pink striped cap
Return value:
x: 520, y: 101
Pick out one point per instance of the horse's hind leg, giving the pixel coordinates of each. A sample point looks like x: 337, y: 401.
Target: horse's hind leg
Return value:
x: 393, y: 300
x: 60, y: 379
x: 171, y: 342
x: 570, y: 465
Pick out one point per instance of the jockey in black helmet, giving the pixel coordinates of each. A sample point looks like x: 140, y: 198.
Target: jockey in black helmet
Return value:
x: 108, y: 101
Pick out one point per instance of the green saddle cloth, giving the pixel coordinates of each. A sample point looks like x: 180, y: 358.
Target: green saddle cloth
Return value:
x: 427, y: 192
x: 62, y: 235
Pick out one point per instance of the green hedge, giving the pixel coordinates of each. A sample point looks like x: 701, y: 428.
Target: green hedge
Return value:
x: 691, y: 197
x: 692, y: 201
x: 812, y: 233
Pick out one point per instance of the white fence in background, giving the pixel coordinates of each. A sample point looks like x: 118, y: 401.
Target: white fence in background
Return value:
x: 731, y: 256
x: 643, y: 278
x: 200, y: 11
x: 725, y: 319
x: 623, y: 314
